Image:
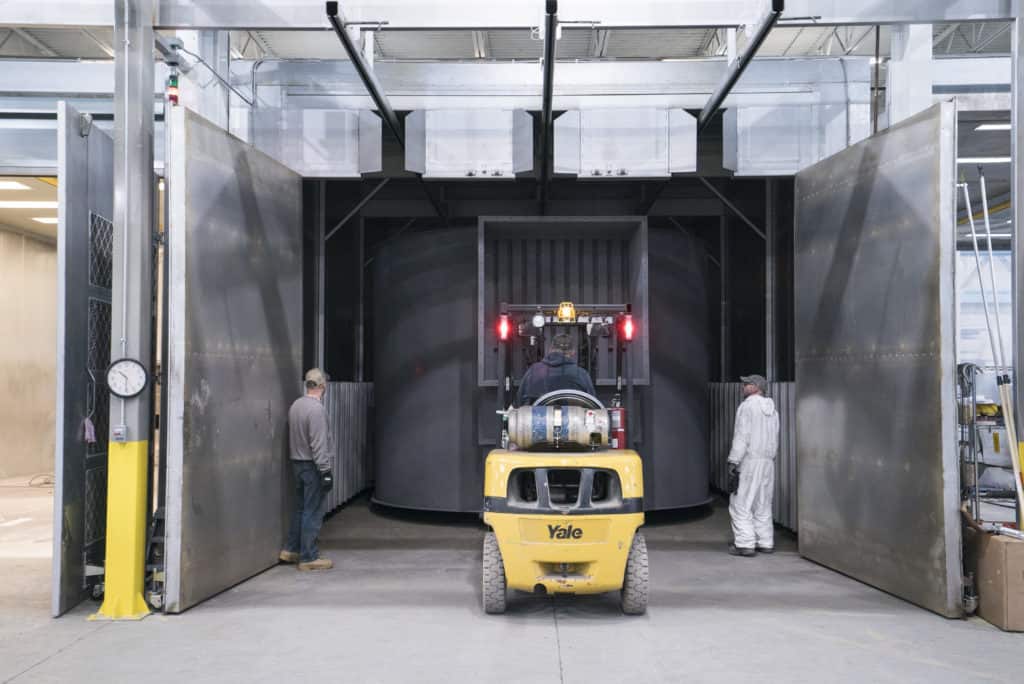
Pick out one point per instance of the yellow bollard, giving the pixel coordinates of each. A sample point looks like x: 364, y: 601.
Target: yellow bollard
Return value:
x: 127, y: 465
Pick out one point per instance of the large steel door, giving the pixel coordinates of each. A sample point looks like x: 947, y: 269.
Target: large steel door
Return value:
x: 875, y: 363
x: 85, y: 242
x: 234, y: 356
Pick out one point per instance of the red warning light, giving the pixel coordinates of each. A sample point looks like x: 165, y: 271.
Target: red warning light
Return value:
x: 627, y: 327
x: 504, y: 327
x: 172, y: 89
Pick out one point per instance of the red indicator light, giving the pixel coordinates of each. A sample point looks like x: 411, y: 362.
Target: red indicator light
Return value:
x: 504, y: 327
x: 627, y: 327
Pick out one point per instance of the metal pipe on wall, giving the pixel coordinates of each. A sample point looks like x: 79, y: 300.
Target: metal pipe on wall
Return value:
x: 547, y: 96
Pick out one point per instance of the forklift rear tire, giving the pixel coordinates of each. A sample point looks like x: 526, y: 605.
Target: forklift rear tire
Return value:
x: 495, y: 586
x: 635, y: 584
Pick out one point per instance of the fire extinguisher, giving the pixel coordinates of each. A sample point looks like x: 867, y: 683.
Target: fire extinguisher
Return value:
x: 617, y: 424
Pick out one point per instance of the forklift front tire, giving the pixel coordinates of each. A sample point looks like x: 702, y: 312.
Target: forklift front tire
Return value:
x: 635, y: 584
x: 494, y: 585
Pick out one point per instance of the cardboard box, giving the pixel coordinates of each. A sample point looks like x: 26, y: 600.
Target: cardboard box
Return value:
x: 1000, y: 581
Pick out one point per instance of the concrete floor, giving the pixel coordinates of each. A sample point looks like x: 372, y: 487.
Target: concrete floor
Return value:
x: 403, y: 604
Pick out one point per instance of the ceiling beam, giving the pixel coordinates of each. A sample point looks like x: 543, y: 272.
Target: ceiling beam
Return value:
x: 600, y: 43
x: 944, y: 34
x: 481, y: 49
x: 985, y: 42
x: 819, y: 45
x: 283, y: 15
x: 103, y: 45
x: 35, y: 42
x: 856, y: 44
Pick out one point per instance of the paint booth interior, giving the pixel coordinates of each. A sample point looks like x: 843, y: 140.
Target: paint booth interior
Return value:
x: 411, y: 302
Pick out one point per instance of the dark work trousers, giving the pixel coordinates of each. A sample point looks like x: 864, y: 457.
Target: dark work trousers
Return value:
x: 309, y: 511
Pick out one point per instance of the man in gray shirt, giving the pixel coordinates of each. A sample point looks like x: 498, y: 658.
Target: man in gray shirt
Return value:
x: 307, y: 442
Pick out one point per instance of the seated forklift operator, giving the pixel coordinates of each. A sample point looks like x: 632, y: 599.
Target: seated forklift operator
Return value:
x: 556, y: 371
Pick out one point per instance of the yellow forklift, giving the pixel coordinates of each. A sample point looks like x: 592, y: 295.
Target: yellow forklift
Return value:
x: 563, y: 496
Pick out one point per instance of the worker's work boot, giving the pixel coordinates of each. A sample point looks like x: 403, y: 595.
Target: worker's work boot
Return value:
x: 288, y: 557
x: 736, y: 551
x: 318, y: 564
x: 765, y: 549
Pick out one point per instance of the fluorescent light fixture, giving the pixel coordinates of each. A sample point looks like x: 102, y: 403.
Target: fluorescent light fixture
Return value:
x: 12, y: 185
x: 16, y: 204
x: 983, y: 160
x: 50, y: 220
x: 993, y: 127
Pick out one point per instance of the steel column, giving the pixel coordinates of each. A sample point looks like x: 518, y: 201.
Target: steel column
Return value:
x: 1017, y: 203
x: 130, y: 419
x: 360, y: 352
x: 723, y: 284
x: 770, y: 370
x: 547, y: 96
x: 321, y: 245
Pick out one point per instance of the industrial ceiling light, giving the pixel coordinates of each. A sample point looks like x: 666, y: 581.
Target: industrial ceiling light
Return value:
x: 994, y: 127
x: 17, y: 204
x: 983, y: 160
x: 49, y: 220
x: 12, y: 185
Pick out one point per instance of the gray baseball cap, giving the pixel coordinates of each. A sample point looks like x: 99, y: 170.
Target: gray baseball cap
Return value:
x: 758, y: 380
x: 316, y: 378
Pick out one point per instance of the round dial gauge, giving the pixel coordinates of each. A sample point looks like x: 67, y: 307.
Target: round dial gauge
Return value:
x: 126, y: 378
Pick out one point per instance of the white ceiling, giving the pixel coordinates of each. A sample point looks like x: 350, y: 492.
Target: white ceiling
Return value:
x: 577, y: 42
x: 39, y: 190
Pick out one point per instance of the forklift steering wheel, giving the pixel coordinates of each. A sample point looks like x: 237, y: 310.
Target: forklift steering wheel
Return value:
x: 571, y: 397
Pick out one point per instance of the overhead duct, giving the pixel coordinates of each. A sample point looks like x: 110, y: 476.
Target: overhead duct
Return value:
x: 616, y: 143
x: 470, y: 143
x: 336, y: 143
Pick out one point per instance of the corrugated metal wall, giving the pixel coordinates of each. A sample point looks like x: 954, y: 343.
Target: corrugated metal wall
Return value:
x: 723, y: 399
x: 348, y: 413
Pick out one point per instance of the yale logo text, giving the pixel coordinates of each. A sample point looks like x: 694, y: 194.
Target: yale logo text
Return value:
x: 564, y: 532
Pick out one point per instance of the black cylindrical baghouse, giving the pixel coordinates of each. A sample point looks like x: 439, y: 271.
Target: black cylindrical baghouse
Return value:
x: 425, y: 383
x: 675, y: 405
x: 431, y: 416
